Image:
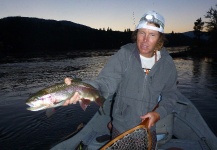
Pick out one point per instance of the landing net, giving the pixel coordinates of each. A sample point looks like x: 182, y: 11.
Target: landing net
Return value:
x: 138, y: 138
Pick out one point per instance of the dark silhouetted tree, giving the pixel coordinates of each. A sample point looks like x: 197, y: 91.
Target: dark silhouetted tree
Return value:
x: 109, y: 29
x: 211, y: 25
x: 127, y: 30
x: 198, y: 27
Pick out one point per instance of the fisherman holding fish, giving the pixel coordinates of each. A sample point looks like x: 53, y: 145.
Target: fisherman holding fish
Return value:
x: 139, y: 75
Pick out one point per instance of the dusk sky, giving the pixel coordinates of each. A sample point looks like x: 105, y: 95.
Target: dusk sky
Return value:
x: 118, y: 15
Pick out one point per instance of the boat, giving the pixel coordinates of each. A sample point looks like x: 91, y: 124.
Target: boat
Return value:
x: 184, y: 129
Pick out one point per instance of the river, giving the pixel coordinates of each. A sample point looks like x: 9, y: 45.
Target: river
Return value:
x: 19, y: 78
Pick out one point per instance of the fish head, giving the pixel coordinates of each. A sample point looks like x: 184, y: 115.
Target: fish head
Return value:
x: 41, y: 102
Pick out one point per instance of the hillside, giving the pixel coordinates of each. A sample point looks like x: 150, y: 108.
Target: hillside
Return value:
x: 23, y: 35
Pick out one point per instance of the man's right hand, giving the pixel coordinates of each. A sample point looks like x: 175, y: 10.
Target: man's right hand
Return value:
x: 75, y: 98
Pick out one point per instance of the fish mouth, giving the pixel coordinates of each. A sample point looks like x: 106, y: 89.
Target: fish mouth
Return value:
x: 37, y: 108
x: 30, y: 104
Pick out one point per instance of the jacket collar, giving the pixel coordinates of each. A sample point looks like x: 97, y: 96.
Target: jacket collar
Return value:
x: 164, y: 53
x: 136, y: 54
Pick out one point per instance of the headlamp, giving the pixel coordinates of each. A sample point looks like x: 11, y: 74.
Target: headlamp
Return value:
x: 151, y: 17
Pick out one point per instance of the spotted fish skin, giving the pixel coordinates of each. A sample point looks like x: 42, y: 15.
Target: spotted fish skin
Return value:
x: 57, y: 94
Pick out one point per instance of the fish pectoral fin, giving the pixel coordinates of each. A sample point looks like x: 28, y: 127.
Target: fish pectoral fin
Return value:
x: 84, y: 103
x: 50, y: 112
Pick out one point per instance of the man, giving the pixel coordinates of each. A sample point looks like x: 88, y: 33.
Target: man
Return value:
x: 140, y: 74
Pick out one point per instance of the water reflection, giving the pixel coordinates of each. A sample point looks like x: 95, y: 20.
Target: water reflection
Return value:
x: 197, y: 81
x: 210, y: 60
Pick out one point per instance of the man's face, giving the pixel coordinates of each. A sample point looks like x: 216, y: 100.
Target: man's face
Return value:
x: 147, y: 40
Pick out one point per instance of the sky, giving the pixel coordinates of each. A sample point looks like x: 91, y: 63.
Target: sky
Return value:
x: 118, y: 15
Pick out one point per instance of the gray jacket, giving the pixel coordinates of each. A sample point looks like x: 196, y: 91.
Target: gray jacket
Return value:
x: 136, y: 92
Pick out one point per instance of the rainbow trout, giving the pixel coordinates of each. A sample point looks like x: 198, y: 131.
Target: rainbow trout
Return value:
x: 57, y: 94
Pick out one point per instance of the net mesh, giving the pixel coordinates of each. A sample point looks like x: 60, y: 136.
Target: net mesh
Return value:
x: 136, y: 140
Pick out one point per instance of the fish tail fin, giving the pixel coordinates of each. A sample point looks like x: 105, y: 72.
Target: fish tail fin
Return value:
x: 84, y: 103
x: 100, y: 101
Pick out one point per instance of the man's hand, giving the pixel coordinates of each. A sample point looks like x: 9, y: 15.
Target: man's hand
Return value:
x: 68, y: 81
x: 153, y: 118
x: 75, y: 98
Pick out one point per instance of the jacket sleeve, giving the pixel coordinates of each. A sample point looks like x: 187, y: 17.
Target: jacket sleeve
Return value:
x: 110, y: 76
x: 168, y: 94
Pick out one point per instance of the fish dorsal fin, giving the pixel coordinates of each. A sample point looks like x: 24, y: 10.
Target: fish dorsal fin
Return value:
x: 77, y: 79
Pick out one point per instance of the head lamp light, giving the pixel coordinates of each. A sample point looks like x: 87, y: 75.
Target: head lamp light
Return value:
x: 149, y: 17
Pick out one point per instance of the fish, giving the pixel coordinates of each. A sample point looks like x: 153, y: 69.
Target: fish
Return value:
x: 57, y: 94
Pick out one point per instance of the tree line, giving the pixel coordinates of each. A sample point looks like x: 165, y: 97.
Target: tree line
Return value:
x: 26, y: 36
x: 210, y: 27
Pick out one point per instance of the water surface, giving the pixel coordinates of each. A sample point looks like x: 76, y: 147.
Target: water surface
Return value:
x: 33, y: 130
